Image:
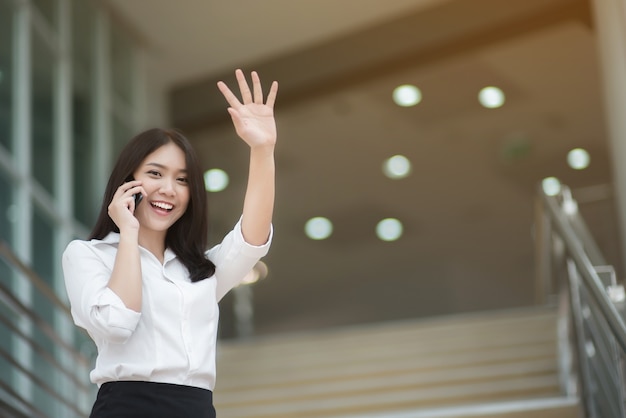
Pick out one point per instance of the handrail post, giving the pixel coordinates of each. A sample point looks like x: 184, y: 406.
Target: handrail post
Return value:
x: 617, y: 295
x: 583, y: 360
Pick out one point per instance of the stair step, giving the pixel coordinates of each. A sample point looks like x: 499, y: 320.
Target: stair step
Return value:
x: 408, y: 331
x: 427, y: 365
x: 540, y: 386
x: 420, y: 345
x: 294, y: 373
x: 558, y: 407
x: 405, y: 379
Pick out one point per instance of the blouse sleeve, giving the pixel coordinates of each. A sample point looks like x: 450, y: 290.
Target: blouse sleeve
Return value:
x: 94, y: 306
x: 234, y: 258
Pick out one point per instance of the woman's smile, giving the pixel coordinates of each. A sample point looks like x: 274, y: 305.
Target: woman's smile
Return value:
x: 162, y: 207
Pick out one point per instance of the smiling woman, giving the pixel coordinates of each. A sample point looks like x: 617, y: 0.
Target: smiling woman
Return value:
x: 146, y: 287
x: 157, y: 160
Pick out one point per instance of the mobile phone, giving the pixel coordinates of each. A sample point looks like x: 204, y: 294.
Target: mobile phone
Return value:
x: 138, y: 196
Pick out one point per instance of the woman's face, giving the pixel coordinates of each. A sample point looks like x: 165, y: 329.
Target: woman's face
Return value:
x: 163, y: 174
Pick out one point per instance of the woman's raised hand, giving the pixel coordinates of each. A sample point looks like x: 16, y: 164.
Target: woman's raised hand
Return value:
x: 122, y: 206
x: 253, y: 118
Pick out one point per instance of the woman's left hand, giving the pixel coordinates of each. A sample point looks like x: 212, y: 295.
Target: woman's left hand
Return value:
x: 253, y: 119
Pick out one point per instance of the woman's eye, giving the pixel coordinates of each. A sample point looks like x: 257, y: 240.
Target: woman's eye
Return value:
x: 154, y: 173
x: 183, y: 180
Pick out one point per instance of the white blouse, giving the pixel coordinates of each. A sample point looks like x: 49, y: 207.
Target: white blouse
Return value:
x: 173, y: 338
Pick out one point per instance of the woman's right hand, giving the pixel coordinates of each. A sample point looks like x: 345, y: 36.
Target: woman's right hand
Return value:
x: 122, y: 207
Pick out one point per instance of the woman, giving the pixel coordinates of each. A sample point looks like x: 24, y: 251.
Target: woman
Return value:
x: 145, y: 288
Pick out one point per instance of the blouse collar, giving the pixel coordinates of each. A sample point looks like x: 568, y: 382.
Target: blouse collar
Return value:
x: 114, y: 238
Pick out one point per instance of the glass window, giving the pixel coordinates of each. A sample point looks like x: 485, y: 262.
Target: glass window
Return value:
x: 7, y: 315
x: 6, y: 377
x: 7, y: 210
x: 42, y: 243
x: 6, y: 275
x: 121, y: 135
x: 42, y: 398
x: 43, y: 127
x: 43, y: 263
x: 5, y: 73
x: 83, y: 149
x: 82, y: 34
x: 7, y: 215
x: 121, y: 64
x: 85, y: 209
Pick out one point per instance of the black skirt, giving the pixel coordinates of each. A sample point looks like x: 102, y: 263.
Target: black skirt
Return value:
x: 129, y: 399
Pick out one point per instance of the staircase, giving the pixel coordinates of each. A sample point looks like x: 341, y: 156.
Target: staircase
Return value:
x: 496, y: 365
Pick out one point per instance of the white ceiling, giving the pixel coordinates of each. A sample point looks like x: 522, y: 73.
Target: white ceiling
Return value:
x: 468, y: 205
x: 194, y: 38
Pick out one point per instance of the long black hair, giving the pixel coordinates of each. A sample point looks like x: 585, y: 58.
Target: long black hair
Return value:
x: 187, y: 237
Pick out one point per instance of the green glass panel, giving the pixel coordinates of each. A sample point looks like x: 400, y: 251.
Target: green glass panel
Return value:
x: 7, y: 210
x: 121, y: 64
x: 6, y: 54
x: 82, y: 34
x: 121, y: 135
x: 7, y: 215
x: 43, y: 264
x: 43, y: 127
x: 85, y: 209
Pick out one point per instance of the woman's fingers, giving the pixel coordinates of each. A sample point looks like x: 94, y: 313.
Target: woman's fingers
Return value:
x: 256, y: 85
x: 122, y: 206
x: 133, y: 187
x: 247, y: 97
x: 271, y: 96
x: 228, y: 95
x: 125, y: 194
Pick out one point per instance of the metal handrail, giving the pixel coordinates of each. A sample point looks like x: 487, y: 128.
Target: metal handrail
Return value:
x: 33, y: 277
x: 7, y: 296
x: 44, y: 289
x: 565, y: 246
x: 33, y: 411
x: 10, y: 411
x: 36, y: 347
x: 17, y: 307
x: 590, y: 278
x: 39, y: 381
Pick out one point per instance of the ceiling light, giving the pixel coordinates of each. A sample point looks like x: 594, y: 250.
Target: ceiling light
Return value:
x: 551, y: 186
x: 578, y: 159
x: 407, y: 95
x: 389, y: 229
x: 318, y: 228
x: 215, y: 180
x: 491, y: 97
x: 397, y: 167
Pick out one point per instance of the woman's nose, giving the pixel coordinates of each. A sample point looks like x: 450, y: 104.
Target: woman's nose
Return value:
x: 167, y: 187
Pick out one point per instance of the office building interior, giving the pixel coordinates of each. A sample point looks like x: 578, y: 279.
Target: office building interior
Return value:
x: 416, y: 141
